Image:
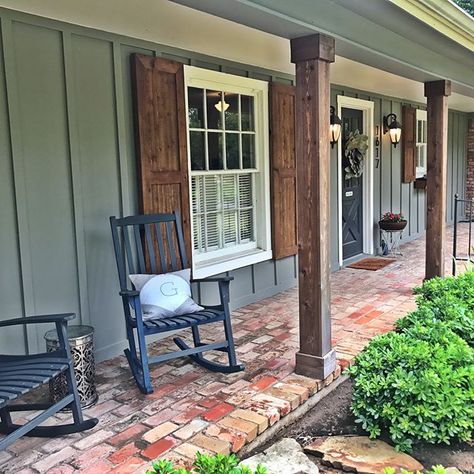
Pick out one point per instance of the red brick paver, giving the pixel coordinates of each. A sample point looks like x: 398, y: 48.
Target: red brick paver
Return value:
x: 193, y: 409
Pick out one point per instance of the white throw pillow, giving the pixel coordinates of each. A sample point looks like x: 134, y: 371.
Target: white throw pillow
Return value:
x: 165, y: 295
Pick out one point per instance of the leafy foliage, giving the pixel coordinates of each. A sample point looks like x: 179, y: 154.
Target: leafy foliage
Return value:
x: 466, y: 5
x: 205, y: 464
x: 355, y: 150
x: 434, y: 470
x: 416, y: 385
x: 449, y: 301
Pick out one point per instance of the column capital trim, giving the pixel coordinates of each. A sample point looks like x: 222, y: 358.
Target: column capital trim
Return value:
x: 317, y: 46
x: 438, y: 88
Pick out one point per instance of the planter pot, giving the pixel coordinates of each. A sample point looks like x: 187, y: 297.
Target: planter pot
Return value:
x: 384, y: 225
x: 420, y: 183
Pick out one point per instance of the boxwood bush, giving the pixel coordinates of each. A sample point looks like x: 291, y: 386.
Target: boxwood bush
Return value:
x: 416, y: 385
x: 448, y: 300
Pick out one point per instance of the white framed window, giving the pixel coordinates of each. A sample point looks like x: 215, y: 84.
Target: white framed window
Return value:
x: 228, y: 154
x: 421, y: 143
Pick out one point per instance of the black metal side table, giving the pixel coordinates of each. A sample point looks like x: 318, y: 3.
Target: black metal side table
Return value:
x: 81, y: 342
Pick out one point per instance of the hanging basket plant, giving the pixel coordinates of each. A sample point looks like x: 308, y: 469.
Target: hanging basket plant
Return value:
x: 355, y: 150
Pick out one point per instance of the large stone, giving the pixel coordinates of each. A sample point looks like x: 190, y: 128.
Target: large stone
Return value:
x: 286, y: 457
x: 361, y: 454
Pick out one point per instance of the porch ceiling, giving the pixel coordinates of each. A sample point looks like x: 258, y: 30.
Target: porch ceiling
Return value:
x: 378, y: 34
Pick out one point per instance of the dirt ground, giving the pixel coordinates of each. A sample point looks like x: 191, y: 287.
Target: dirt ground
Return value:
x: 332, y: 416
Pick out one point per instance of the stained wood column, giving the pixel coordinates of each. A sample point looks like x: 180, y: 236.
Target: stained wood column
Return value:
x: 437, y: 93
x: 312, y: 56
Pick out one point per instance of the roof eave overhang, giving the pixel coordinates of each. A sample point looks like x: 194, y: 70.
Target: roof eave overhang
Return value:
x: 380, y: 34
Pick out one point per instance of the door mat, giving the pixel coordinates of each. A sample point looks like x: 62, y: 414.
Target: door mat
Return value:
x: 372, y: 263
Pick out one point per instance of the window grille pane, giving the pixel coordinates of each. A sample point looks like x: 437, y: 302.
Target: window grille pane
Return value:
x: 222, y: 210
x: 424, y: 139
x: 229, y: 192
x: 245, y: 190
x: 246, y: 225
x: 196, y: 107
x: 230, y: 228
x: 231, y: 111
x: 213, y: 232
x: 211, y: 193
x: 197, y: 150
x: 248, y: 151
x: 419, y: 131
x: 215, y: 150
x: 246, y: 106
x: 232, y: 145
x: 214, y: 109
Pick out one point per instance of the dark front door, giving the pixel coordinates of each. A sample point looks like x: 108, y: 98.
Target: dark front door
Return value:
x: 352, y: 203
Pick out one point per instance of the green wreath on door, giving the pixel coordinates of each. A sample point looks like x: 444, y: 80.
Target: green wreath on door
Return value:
x: 355, y: 150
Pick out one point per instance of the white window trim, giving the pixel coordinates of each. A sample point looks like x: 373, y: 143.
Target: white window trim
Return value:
x: 204, y: 78
x: 367, y: 108
x: 420, y: 115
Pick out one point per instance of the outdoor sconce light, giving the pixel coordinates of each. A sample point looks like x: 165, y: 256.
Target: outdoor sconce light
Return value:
x: 334, y: 126
x: 393, y: 127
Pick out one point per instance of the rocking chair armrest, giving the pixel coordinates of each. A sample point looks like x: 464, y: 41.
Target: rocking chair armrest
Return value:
x: 213, y: 279
x: 129, y: 293
x: 45, y: 318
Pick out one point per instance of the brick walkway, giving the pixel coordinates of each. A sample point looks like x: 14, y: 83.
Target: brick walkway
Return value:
x: 193, y: 409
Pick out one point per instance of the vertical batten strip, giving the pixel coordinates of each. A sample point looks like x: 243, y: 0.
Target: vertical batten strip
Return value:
x: 10, y: 146
x: 31, y: 338
x: 75, y: 166
x: 119, y: 93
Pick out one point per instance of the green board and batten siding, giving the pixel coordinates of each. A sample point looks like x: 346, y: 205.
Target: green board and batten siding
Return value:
x: 67, y: 163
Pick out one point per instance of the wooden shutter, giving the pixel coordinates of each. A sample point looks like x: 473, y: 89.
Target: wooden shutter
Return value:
x: 408, y: 144
x: 161, y: 138
x: 283, y: 170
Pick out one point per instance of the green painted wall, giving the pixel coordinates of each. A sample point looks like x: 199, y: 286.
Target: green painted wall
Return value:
x: 67, y: 163
x: 390, y: 194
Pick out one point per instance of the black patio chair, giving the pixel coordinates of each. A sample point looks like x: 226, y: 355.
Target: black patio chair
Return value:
x: 154, y: 244
x: 20, y: 374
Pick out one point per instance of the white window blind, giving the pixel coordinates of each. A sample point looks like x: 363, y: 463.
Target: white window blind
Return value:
x: 421, y: 143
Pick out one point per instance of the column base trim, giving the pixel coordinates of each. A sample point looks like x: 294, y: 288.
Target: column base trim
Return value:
x: 314, y: 366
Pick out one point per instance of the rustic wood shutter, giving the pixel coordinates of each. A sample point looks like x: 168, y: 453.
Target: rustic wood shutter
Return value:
x: 408, y: 144
x: 160, y: 119
x: 283, y: 170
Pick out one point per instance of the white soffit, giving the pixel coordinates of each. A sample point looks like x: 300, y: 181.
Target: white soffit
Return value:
x: 345, y: 72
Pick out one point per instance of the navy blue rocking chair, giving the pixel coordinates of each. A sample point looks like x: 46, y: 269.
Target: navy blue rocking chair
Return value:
x: 21, y: 374
x: 154, y: 244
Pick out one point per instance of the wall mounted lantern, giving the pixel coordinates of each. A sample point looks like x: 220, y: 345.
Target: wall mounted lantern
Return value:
x: 334, y: 127
x: 393, y: 127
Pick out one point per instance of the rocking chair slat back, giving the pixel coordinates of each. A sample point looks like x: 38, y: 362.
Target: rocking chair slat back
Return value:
x: 148, y: 244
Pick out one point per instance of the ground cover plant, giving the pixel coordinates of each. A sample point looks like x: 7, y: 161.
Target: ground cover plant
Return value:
x: 207, y: 464
x: 417, y: 384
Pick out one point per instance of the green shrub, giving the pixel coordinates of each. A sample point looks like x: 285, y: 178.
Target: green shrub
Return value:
x: 417, y: 385
x: 450, y: 314
x: 205, y: 464
x: 434, y: 470
x: 448, y: 300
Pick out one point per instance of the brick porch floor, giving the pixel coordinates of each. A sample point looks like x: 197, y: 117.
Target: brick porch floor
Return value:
x: 193, y: 409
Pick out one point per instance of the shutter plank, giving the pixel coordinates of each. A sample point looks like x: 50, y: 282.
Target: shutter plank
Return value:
x: 283, y: 165
x: 160, y: 119
x: 408, y: 144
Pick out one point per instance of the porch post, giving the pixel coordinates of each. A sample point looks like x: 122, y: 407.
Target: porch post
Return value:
x: 312, y: 56
x: 437, y: 93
